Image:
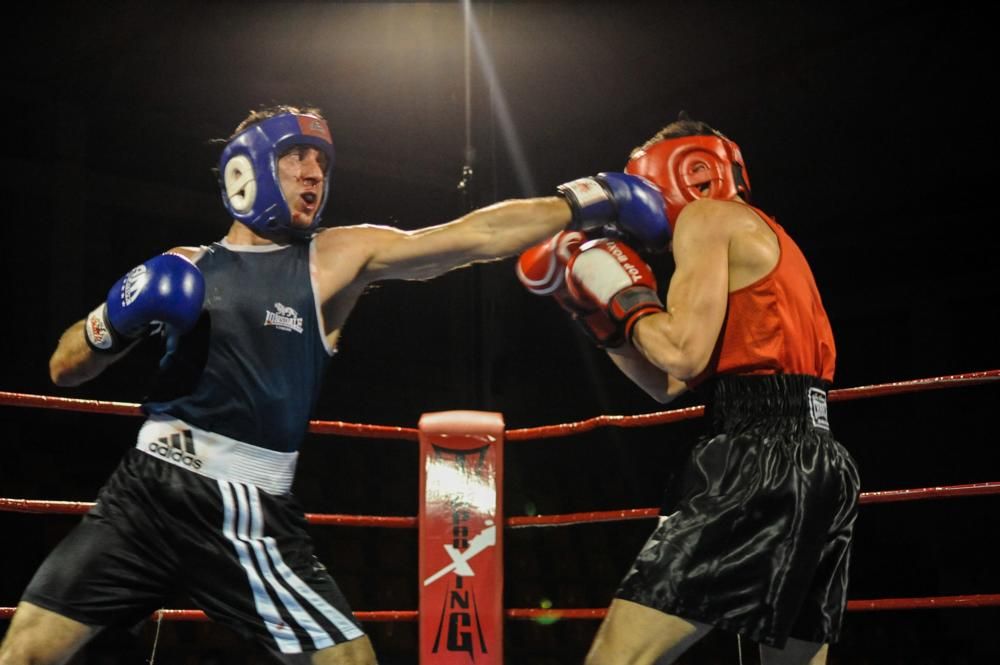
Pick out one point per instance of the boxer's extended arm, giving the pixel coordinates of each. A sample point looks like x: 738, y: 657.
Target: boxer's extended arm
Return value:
x: 507, y: 228
x: 680, y: 340
x: 494, y: 232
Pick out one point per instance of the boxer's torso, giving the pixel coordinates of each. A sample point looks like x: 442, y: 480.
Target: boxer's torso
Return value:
x: 252, y: 367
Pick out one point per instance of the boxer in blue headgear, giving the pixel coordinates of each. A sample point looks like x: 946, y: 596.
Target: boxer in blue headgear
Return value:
x: 249, y: 174
x: 252, y: 322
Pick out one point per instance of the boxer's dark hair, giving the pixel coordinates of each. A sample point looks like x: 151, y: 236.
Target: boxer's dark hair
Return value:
x: 683, y: 126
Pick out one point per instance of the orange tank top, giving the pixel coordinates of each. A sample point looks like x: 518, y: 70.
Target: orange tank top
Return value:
x: 777, y: 325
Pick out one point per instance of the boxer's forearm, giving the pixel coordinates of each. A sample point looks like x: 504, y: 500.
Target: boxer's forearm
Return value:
x: 74, y: 362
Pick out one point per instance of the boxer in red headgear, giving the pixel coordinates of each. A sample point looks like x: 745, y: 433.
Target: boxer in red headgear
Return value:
x: 688, y: 168
x: 756, y: 529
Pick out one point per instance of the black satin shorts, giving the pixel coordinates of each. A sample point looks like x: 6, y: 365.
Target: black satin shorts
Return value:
x: 241, y: 554
x: 755, y: 532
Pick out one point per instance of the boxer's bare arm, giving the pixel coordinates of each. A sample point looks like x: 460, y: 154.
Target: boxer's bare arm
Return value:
x: 657, y: 383
x: 680, y: 340
x: 74, y: 362
x: 348, y: 259
x: 494, y: 232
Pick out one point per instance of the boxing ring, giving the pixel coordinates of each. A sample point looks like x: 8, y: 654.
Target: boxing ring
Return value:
x: 460, y: 523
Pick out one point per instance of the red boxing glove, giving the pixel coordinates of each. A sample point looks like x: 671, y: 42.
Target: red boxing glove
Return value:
x: 608, y: 277
x: 542, y: 268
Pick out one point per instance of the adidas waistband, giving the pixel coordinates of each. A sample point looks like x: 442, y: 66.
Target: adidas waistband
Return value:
x: 217, y: 456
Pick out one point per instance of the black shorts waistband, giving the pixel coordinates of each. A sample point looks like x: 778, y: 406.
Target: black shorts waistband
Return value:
x: 795, y: 398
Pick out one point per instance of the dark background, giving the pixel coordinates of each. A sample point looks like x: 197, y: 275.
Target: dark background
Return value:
x: 869, y: 133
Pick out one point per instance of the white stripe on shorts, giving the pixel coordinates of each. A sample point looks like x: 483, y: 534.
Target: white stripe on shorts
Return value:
x: 320, y: 638
x: 333, y: 615
x: 283, y: 635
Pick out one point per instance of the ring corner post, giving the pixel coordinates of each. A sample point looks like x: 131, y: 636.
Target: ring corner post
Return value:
x: 461, y: 538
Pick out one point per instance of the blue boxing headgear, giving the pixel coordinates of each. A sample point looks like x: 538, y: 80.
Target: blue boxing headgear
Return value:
x: 248, y: 171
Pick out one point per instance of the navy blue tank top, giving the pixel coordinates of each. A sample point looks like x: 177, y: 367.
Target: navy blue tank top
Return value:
x: 251, y: 368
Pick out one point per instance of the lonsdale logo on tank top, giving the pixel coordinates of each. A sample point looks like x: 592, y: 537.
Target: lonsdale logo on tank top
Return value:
x: 283, y: 318
x: 171, y: 449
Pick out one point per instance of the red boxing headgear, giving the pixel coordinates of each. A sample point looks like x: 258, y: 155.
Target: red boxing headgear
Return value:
x: 681, y: 166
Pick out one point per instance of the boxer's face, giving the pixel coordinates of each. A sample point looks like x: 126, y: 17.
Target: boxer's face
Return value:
x: 300, y: 172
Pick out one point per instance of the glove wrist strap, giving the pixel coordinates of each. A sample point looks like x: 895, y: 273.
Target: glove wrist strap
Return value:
x: 632, y: 304
x: 100, y: 335
x: 590, y: 203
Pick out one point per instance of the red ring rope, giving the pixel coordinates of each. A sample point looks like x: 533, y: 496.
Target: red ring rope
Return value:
x: 548, y: 431
x: 80, y: 507
x: 886, y: 496
x: 873, y: 605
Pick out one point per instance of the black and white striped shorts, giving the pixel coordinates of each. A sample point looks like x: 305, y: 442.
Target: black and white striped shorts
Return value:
x: 241, y: 554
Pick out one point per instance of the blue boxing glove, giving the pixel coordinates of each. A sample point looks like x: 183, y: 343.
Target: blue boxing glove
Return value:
x: 167, y: 289
x: 630, y: 204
